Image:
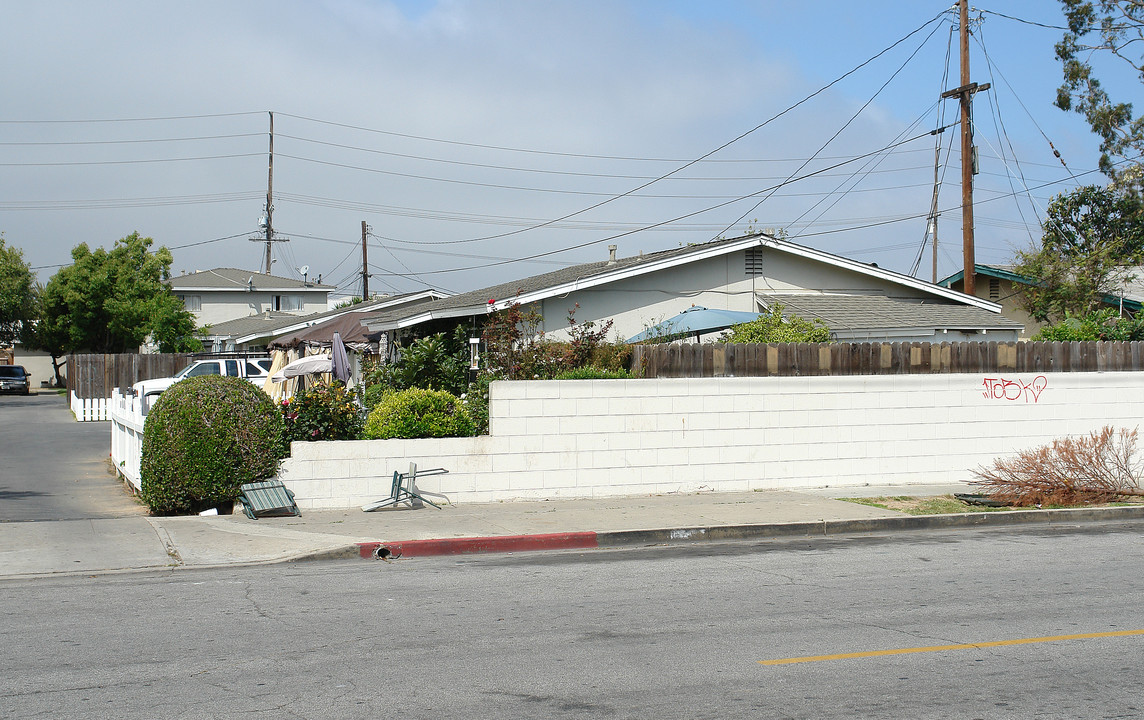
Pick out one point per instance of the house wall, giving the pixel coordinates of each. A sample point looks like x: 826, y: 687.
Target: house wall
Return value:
x: 220, y: 306
x: 38, y: 364
x: 600, y: 438
x: 717, y: 283
x: 1010, y: 300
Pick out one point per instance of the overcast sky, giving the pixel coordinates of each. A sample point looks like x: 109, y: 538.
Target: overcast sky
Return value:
x: 455, y: 128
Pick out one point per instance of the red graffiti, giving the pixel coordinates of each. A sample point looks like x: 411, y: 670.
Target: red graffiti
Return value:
x: 1004, y: 389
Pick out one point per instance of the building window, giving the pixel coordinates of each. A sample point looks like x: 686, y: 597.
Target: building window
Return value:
x: 994, y: 289
x: 288, y: 303
x: 754, y: 262
x: 193, y: 303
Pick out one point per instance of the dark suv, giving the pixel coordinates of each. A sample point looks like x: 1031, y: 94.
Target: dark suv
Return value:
x: 14, y: 379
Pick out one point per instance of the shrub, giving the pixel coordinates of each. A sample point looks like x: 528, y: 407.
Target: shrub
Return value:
x: 374, y: 394
x: 772, y: 327
x: 417, y: 413
x: 322, y: 412
x: 476, y: 402
x: 1095, y: 468
x: 1105, y: 324
x: 590, y: 372
x: 203, y: 439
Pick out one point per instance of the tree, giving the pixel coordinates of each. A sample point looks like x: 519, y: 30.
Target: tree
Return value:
x: 1105, y: 324
x: 1093, y: 238
x: 1103, y: 28
x: 111, y: 301
x: 17, y: 293
x: 772, y: 327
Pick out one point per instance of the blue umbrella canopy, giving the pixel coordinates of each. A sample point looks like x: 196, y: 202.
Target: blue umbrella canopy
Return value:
x: 695, y: 320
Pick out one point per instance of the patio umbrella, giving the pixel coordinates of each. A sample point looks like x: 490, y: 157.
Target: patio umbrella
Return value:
x: 308, y: 365
x: 273, y: 387
x: 340, y: 361
x: 695, y: 320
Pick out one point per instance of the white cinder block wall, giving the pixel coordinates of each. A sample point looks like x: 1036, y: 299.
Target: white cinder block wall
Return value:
x: 597, y: 438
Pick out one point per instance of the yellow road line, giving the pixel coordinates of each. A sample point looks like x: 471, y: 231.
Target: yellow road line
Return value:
x: 938, y: 648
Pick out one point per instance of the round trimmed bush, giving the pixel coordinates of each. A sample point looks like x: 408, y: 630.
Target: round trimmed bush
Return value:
x: 203, y: 439
x: 417, y: 413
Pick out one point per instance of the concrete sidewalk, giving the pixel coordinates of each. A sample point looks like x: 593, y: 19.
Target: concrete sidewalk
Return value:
x: 29, y: 549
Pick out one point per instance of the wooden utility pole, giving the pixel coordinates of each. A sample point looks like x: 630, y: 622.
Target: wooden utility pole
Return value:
x: 968, y: 155
x: 364, y: 264
x: 266, y: 222
x: 270, y: 198
x: 933, y: 204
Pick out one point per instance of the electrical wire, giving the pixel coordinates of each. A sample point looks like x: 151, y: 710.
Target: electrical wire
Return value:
x: 129, y: 162
x: 666, y: 222
x: 567, y: 173
x: 129, y: 202
x: 129, y: 142
x: 841, y: 129
x: 1020, y: 20
x: 123, y: 120
x: 530, y: 151
x: 706, y: 155
x: 917, y: 263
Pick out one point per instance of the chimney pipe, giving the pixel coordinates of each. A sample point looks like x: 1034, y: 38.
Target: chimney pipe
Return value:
x: 611, y: 254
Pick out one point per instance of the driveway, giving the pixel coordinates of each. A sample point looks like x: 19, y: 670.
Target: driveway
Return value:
x: 55, y: 468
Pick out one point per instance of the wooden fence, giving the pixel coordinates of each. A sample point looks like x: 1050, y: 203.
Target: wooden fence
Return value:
x: 716, y: 360
x: 95, y: 376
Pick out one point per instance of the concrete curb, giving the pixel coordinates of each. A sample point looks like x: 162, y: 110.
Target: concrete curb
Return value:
x: 628, y: 538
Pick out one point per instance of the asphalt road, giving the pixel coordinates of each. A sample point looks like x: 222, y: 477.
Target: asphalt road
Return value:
x: 54, y: 468
x: 676, y: 632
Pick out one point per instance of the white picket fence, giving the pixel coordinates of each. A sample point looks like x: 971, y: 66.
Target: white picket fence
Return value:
x: 126, y: 413
x: 90, y: 409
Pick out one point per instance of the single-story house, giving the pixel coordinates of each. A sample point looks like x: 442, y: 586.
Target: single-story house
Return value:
x: 1000, y: 284
x: 222, y: 294
x: 254, y: 333
x: 857, y: 301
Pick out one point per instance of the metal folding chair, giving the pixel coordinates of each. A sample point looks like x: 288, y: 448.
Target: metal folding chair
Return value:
x: 404, y: 490
x: 267, y: 499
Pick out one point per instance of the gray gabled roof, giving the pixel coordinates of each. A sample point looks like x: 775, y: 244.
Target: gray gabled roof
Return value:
x: 261, y: 324
x: 845, y: 313
x: 274, y: 323
x: 235, y: 279
x: 579, y: 277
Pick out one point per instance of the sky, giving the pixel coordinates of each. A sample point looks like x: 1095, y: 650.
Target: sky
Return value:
x: 483, y: 141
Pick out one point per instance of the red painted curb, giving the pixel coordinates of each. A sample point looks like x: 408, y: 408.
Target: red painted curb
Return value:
x: 459, y: 546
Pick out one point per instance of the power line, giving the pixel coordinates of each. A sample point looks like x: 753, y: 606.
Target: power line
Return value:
x: 127, y: 202
x: 1020, y: 20
x: 664, y: 222
x: 129, y: 162
x: 538, y: 171
x: 124, y: 120
x: 129, y: 142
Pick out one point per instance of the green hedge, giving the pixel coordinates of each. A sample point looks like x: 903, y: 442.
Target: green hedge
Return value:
x: 417, y: 413
x: 204, y: 438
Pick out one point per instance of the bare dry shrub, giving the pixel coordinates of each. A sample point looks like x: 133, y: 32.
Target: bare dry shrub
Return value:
x: 1094, y: 468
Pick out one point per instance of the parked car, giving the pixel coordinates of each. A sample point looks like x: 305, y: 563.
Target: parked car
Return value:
x: 256, y: 370
x: 15, y: 379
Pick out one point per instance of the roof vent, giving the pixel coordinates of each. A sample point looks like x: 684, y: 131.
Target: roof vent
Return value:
x: 611, y: 254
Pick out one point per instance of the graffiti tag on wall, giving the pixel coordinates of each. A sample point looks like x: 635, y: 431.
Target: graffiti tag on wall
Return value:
x: 1013, y: 390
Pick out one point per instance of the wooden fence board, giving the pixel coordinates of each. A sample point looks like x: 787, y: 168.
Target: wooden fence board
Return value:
x: 789, y: 359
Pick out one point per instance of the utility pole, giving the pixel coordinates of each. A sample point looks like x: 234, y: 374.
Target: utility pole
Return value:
x: 364, y: 264
x: 266, y: 222
x: 968, y: 155
x: 933, y: 205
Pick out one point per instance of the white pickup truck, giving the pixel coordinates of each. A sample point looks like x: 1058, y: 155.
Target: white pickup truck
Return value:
x: 256, y: 370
